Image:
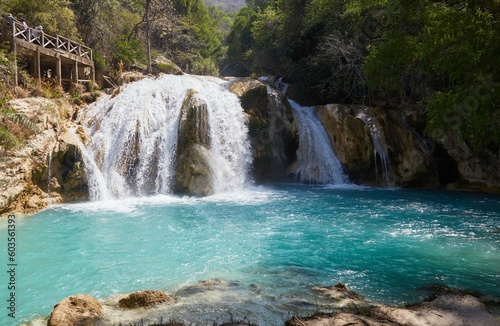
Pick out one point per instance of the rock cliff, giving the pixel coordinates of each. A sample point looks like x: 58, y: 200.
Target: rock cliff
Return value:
x: 354, y: 131
x: 48, y: 169
x: 271, y: 131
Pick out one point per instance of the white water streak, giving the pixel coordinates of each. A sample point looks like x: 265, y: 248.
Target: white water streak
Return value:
x: 316, y: 159
x: 95, y: 179
x: 379, y: 143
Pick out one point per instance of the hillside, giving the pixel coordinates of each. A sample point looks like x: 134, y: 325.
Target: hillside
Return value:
x: 226, y: 5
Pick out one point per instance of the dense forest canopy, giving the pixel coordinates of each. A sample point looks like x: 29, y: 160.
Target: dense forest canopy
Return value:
x: 440, y: 55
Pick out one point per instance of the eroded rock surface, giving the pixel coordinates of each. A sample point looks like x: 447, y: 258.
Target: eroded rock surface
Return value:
x: 48, y: 168
x: 81, y: 309
x: 145, y: 298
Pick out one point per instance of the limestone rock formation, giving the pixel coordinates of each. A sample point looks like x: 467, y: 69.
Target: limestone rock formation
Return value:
x: 351, y: 139
x: 409, y: 160
x: 163, y: 65
x: 145, y: 298
x: 193, y: 171
x: 48, y: 169
x: 474, y: 172
x: 81, y: 309
x: 271, y: 131
x: 452, y: 309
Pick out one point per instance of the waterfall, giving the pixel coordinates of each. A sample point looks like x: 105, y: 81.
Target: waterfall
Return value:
x: 49, y: 173
x: 96, y: 182
x: 134, y: 136
x: 379, y: 144
x: 316, y: 159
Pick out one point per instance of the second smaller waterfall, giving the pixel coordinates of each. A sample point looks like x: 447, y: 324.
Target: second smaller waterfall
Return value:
x: 316, y: 160
x: 379, y: 144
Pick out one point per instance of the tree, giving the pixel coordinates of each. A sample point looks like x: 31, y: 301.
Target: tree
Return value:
x: 56, y: 16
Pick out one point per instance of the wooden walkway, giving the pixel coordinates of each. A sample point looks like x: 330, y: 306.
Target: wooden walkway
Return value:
x: 49, y: 56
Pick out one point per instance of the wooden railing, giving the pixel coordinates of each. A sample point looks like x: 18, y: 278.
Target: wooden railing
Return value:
x: 57, y: 42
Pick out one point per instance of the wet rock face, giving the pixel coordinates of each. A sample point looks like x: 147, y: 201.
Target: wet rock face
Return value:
x: 272, y: 134
x: 193, y: 171
x: 410, y: 164
x: 80, y: 309
x: 145, y: 298
x: 474, y: 172
x: 351, y: 140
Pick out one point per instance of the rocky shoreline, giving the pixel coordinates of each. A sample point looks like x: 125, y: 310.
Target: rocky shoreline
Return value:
x: 217, y: 302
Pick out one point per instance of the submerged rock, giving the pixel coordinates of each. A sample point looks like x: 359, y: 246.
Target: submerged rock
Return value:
x: 81, y: 309
x: 145, y: 298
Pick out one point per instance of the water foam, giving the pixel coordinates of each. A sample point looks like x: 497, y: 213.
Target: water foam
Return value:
x: 134, y: 137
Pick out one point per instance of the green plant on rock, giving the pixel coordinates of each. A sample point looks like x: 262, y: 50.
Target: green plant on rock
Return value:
x: 15, y: 127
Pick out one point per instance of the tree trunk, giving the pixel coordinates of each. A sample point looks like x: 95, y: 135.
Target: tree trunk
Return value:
x: 148, y: 35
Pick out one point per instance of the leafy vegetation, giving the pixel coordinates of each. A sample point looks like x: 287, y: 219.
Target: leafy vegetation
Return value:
x: 441, y: 54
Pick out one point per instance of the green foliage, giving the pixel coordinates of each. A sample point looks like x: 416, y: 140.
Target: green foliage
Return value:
x: 56, y: 16
x: 15, y: 127
x: 472, y: 112
x: 239, y: 42
x: 391, y: 63
x: 129, y: 51
x: 445, y: 58
x: 7, y: 140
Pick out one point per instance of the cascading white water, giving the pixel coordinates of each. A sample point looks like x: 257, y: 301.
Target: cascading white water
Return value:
x: 379, y: 143
x: 95, y: 179
x: 316, y: 159
x: 134, y: 136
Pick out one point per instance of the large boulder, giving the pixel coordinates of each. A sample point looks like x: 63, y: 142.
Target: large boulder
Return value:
x: 81, y: 310
x: 163, y: 65
x: 145, y: 298
x: 193, y: 169
x: 193, y: 172
x: 474, y: 171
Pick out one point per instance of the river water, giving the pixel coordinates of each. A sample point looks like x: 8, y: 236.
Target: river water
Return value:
x: 271, y: 245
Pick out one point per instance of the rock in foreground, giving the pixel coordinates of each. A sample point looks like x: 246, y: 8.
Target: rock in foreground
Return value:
x: 145, y: 298
x: 81, y: 309
x: 445, y: 310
